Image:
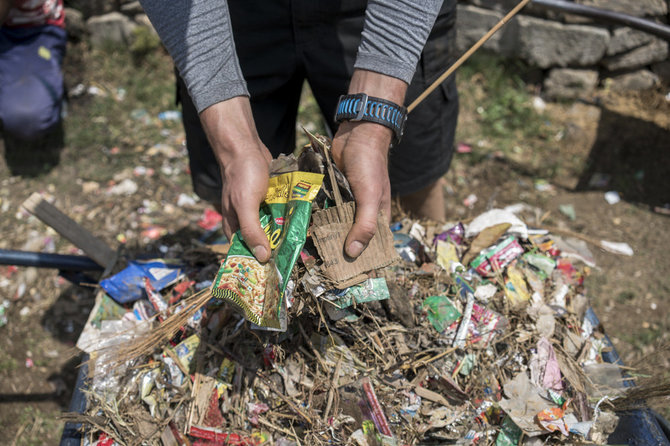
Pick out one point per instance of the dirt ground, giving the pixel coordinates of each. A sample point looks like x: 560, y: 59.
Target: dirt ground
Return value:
x: 621, y: 138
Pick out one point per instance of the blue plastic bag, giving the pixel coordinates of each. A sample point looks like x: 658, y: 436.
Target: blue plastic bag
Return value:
x: 128, y: 285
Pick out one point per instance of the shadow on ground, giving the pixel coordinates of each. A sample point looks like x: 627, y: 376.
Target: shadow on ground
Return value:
x: 630, y: 156
x: 34, y: 158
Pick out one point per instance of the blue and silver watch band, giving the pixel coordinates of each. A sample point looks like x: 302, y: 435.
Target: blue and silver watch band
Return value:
x: 361, y: 107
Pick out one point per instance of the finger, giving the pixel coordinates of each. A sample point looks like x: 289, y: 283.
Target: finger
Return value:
x: 363, y: 229
x: 229, y: 225
x: 253, y: 234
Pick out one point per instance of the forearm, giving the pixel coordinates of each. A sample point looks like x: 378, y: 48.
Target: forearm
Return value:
x: 394, y: 35
x: 198, y: 36
x: 244, y: 162
x: 230, y: 128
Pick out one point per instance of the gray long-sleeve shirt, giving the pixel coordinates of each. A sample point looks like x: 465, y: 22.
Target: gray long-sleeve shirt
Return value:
x: 198, y: 36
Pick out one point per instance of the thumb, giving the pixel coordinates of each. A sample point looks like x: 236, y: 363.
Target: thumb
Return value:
x: 253, y: 234
x: 363, y: 229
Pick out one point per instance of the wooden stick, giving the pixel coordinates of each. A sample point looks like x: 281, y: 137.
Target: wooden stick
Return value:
x: 95, y: 248
x: 285, y: 399
x: 467, y: 54
x: 334, y: 380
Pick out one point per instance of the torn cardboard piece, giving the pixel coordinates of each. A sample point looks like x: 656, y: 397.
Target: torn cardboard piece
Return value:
x: 330, y: 228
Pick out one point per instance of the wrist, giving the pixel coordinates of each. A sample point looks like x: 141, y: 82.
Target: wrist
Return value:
x: 378, y: 85
x: 374, y: 98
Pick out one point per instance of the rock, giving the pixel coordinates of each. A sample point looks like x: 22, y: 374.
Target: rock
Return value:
x: 577, y: 19
x: 113, y: 27
x: 143, y: 20
x: 74, y: 24
x: 474, y: 22
x: 662, y: 70
x: 132, y: 8
x: 655, y: 51
x: 92, y: 8
x: 624, y: 39
x: 637, y: 80
x: 637, y: 8
x: 547, y: 44
x: 570, y: 83
x: 496, y: 5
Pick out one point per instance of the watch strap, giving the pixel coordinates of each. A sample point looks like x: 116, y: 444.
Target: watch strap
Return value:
x: 361, y: 107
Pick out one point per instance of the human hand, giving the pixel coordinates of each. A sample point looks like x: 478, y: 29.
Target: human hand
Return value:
x: 360, y: 150
x: 244, y: 161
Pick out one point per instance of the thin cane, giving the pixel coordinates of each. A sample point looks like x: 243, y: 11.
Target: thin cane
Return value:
x: 467, y: 54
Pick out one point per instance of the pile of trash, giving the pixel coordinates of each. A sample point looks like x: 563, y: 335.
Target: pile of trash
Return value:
x: 472, y: 331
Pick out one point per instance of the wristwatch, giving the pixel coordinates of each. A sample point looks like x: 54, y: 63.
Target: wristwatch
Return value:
x: 361, y: 107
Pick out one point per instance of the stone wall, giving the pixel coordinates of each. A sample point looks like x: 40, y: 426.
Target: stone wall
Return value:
x: 574, y: 54
x: 106, y: 21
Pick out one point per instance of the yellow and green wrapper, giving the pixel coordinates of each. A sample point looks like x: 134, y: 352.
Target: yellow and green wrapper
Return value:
x: 257, y: 289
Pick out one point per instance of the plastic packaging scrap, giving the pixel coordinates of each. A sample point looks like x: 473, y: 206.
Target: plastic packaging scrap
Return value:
x: 257, y: 289
x: 474, y: 337
x: 210, y: 219
x: 128, y: 285
x: 3, y: 312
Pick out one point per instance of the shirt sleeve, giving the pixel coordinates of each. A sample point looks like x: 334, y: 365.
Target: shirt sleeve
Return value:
x: 394, y: 34
x: 199, y: 37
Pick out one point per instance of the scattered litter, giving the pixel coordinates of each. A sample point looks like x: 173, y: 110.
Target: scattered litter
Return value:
x: 170, y: 115
x: 470, y: 200
x: 96, y: 91
x: 612, y: 197
x: 125, y: 187
x: 141, y: 171
x: 185, y: 200
x: 77, y: 90
x: 463, y: 148
x: 128, y: 285
x: 538, y: 104
x: 3, y: 312
x: 543, y: 186
x: 465, y: 336
x: 568, y: 210
x: 495, y: 217
x: 617, y: 247
x: 163, y: 149
x: 210, y: 219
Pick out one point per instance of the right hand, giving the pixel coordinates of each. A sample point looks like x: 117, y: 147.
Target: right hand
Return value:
x: 245, y: 162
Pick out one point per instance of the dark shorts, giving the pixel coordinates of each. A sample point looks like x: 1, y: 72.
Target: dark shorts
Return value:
x: 31, y: 80
x: 280, y: 44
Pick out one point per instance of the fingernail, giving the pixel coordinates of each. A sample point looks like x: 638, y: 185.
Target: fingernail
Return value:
x: 355, y: 249
x: 260, y: 253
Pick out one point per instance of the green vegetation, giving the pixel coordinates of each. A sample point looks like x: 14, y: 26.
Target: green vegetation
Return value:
x: 643, y: 337
x: 39, y: 428
x: 625, y: 296
x: 124, y: 95
x: 7, y: 364
x: 497, y: 115
x: 504, y: 104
